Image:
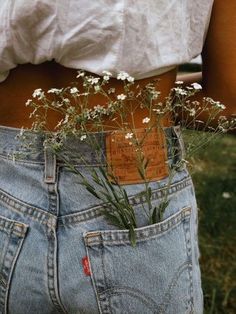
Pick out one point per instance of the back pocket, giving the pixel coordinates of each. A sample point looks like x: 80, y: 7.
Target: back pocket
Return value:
x: 153, y: 277
x: 12, y: 235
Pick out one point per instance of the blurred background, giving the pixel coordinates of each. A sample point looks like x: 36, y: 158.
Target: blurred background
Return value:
x: 214, y: 176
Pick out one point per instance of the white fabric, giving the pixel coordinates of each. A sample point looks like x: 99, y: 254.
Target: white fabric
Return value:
x: 141, y: 37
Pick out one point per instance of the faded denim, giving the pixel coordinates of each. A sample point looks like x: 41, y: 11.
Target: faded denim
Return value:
x: 49, y: 223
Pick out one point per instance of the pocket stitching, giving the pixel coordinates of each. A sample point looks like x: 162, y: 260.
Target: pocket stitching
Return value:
x: 155, y: 230
x: 11, y: 257
x: 9, y: 226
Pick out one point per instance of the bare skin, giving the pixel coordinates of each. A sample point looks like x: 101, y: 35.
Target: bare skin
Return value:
x: 22, y: 81
x: 219, y: 75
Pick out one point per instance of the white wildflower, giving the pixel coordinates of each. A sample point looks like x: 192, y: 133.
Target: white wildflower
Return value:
x: 158, y: 111
x: 66, y: 119
x: 106, y: 75
x: 180, y: 91
x: 192, y: 112
x: 106, y: 78
x: 38, y: 93
x: 74, y: 90
x: 80, y: 73
x: 146, y: 120
x: 93, y: 80
x: 129, y: 135
x: 122, y: 76
x: 196, y: 86
x: 179, y: 82
x: 130, y: 79
x: 66, y: 100
x: 97, y: 88
x: 83, y: 137
x: 125, y: 76
x: 28, y: 102
x: 219, y: 105
x: 56, y: 91
x: 155, y: 94
x: 121, y: 97
x: 111, y: 90
x: 226, y: 195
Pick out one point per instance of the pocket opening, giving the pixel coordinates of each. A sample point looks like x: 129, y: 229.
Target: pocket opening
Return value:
x: 119, y: 236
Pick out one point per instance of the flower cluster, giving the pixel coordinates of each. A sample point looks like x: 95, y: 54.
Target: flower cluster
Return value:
x: 80, y: 118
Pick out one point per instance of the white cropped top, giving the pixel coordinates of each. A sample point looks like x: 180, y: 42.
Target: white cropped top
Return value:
x: 143, y: 38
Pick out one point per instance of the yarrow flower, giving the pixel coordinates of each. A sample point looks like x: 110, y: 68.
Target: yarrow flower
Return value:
x: 121, y: 97
x: 129, y: 135
x: 146, y: 120
x: 179, y: 82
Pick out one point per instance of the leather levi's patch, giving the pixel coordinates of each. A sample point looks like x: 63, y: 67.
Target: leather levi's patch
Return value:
x: 122, y: 156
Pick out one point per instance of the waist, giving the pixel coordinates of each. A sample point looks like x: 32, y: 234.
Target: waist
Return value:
x: 160, y: 148
x: 23, y: 80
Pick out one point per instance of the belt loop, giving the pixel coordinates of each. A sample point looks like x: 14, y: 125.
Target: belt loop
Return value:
x: 49, y: 166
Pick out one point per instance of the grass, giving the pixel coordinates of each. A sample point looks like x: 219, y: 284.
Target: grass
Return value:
x: 215, y: 182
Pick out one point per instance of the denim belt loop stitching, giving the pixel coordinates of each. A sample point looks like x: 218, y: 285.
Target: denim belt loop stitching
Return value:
x: 49, y: 166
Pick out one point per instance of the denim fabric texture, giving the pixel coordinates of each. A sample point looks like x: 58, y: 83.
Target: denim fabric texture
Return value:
x: 58, y: 253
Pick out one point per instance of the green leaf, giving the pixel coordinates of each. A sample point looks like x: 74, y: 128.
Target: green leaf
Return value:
x: 149, y: 191
x: 161, y: 209
x: 154, y: 216
x: 92, y: 191
x: 132, y: 236
x: 141, y: 173
x: 146, y: 164
x: 114, y: 219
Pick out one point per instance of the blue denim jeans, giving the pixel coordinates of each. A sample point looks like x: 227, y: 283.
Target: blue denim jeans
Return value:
x: 58, y: 253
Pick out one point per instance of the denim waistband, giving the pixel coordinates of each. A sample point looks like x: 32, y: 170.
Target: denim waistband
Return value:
x: 11, y: 146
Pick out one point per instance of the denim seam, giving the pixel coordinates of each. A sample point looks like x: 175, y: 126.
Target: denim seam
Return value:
x: 164, y: 305
x: 107, y: 301
x: 10, y: 258
x: 159, y: 230
x: 94, y: 282
x: 38, y: 158
x: 49, y: 219
x: 130, y: 291
x: 188, y: 244
x: 21, y: 161
x: 12, y: 268
x: 52, y: 271
x: 96, y: 211
x: 35, y: 213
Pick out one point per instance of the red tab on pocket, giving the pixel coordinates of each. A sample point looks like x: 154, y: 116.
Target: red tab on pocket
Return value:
x: 86, y: 266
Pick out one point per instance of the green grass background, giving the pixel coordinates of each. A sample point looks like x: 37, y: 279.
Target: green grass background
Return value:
x: 214, y: 173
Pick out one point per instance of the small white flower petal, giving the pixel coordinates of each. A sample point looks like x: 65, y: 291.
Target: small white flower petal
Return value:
x: 146, y: 120
x: 196, y: 86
